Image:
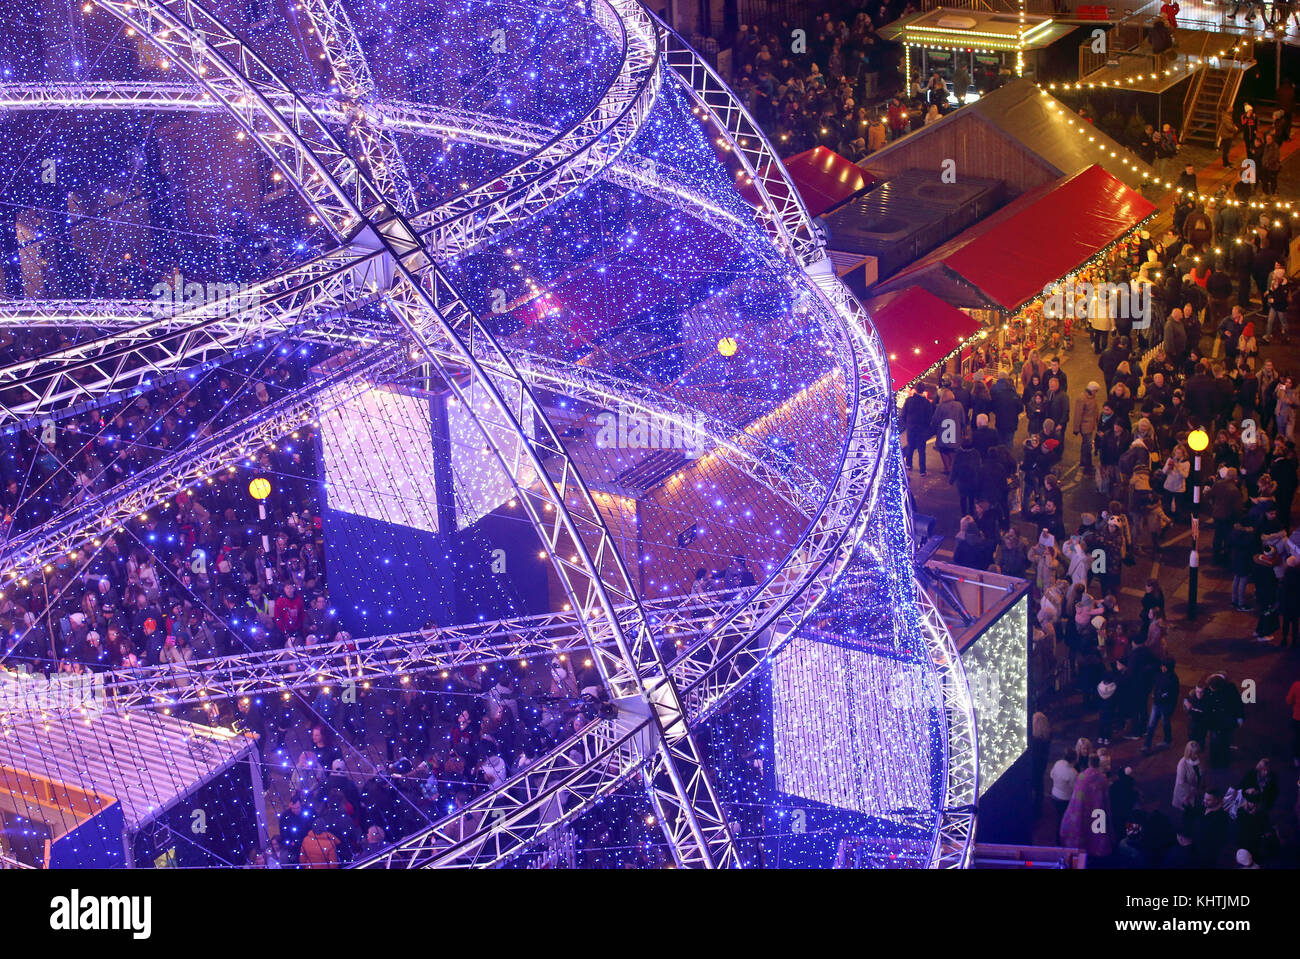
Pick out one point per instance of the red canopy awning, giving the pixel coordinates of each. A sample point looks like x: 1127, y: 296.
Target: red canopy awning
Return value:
x: 918, y: 330
x: 1011, y: 256
x: 825, y: 179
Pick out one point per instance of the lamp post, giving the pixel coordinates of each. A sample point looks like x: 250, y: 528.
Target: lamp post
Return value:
x: 1198, y: 440
x: 260, y: 489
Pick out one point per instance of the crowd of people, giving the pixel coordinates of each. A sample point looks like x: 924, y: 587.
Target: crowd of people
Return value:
x: 845, y: 88
x: 208, y: 576
x: 1220, y: 289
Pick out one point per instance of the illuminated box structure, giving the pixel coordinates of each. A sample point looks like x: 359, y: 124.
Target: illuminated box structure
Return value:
x: 840, y: 706
x: 414, y: 511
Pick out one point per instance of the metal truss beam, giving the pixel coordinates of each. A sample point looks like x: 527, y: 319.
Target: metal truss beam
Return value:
x: 318, y: 165
x: 371, y: 659
x: 431, y: 311
x: 355, y: 84
x: 566, y: 163
x: 69, y: 533
x: 322, y: 291
x: 655, y: 181
x: 659, y: 702
x: 782, y: 211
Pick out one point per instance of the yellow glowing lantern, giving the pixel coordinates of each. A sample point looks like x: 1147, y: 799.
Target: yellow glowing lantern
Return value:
x: 727, y: 346
x: 260, y: 488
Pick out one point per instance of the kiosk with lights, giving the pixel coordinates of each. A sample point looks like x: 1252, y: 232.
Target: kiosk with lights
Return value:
x: 993, y: 45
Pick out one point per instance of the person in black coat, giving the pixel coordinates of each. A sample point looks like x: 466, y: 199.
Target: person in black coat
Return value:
x: 1056, y: 404
x: 1007, y: 407
x: 965, y: 475
x: 1286, y: 474
x: 1201, y: 397
x: 973, y: 549
x: 984, y: 437
x: 1164, y: 700
x: 1224, y: 714
x: 917, y: 412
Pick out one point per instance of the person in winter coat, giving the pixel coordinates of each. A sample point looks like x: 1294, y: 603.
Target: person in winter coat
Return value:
x: 1175, y: 343
x: 946, y: 425
x: 1276, y: 300
x: 1270, y: 164
x: 1087, y: 411
x: 320, y: 848
x: 916, y: 416
x: 1164, y: 699
x: 973, y: 549
x: 1188, y: 789
x: 1226, y: 133
x: 1248, y: 124
x: 1091, y: 795
x: 1056, y: 406
x: 1007, y: 407
x: 1223, y: 715
x: 1225, y: 506
x: 1243, y: 546
x: 289, y: 611
x: 965, y: 475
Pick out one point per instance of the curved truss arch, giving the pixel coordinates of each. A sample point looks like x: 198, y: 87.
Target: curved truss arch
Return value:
x: 650, y: 736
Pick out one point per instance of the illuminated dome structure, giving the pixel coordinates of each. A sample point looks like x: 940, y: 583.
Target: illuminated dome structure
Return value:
x: 520, y: 294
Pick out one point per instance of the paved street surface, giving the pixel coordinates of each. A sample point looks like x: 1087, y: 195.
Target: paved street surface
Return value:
x: 1218, y: 639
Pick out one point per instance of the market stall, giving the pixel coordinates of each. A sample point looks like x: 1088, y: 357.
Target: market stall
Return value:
x: 1002, y: 268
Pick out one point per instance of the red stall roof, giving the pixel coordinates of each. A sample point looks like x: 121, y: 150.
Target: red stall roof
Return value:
x: 825, y: 179
x: 1011, y: 256
x: 918, y: 330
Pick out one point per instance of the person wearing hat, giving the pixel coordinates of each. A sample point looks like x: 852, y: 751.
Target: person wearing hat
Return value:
x: 1087, y: 412
x: 1249, y: 127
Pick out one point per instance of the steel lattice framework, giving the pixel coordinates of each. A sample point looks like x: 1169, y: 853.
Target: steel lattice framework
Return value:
x: 340, y: 153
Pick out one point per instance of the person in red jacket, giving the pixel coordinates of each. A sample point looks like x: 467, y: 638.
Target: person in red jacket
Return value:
x: 1169, y: 10
x: 289, y: 612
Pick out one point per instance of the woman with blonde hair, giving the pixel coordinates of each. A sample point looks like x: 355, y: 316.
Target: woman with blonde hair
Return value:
x: 1174, y: 488
x: 1082, y: 749
x: 1187, y: 780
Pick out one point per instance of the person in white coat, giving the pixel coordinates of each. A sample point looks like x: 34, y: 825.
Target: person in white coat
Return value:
x: 1187, y: 780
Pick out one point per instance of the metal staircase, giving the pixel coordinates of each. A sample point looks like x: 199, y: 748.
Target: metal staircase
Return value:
x: 1212, y: 90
